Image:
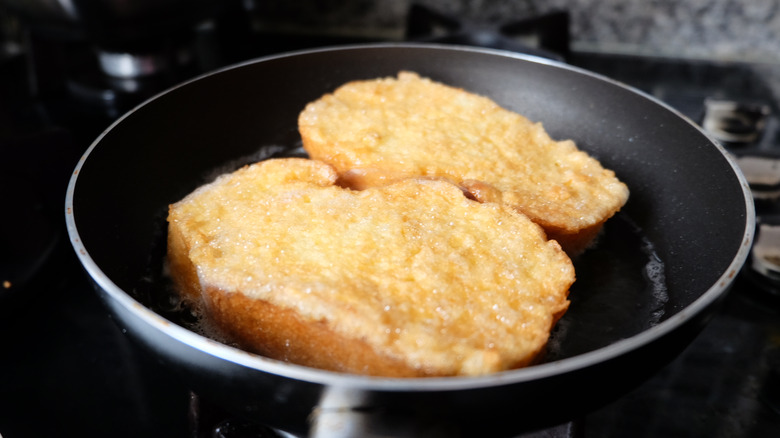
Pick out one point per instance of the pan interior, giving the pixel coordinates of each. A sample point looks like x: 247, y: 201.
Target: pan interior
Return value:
x: 620, y: 289
x: 682, y: 228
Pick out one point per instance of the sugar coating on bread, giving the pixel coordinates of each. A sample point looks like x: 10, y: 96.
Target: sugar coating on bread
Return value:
x: 407, y: 279
x: 380, y: 130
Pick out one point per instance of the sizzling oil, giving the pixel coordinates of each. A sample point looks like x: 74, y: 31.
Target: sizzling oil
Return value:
x: 620, y: 289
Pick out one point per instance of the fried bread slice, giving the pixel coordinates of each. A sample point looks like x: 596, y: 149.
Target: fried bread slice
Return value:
x: 381, y: 130
x: 408, y: 279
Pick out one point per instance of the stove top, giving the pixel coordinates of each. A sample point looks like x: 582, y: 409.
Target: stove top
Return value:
x: 68, y: 370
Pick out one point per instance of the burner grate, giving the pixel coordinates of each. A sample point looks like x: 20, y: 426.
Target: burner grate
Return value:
x: 545, y: 35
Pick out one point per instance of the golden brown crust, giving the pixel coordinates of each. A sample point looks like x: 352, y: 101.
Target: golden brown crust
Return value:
x: 576, y: 243
x: 376, y: 132
x: 281, y: 333
x: 411, y: 279
x: 180, y: 267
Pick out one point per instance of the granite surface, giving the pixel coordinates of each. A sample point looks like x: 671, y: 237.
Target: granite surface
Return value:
x: 729, y: 30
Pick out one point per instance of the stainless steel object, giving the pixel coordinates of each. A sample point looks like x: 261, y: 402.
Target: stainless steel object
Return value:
x: 688, y: 199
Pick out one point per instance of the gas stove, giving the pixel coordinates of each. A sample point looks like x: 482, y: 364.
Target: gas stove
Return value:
x: 68, y: 370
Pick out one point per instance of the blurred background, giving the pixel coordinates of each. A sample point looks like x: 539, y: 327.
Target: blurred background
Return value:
x: 711, y: 29
x: 117, y: 52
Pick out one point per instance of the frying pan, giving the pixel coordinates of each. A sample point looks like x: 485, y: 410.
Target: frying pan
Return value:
x: 652, y: 281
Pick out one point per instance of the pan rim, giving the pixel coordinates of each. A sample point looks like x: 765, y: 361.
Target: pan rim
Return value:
x: 330, y: 378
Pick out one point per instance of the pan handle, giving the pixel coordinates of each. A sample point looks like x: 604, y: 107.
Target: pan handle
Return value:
x: 350, y: 412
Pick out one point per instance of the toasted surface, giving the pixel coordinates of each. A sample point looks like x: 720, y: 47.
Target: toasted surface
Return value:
x: 381, y: 130
x: 407, y: 279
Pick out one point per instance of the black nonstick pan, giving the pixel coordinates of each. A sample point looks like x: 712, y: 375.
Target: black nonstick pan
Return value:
x: 656, y: 275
